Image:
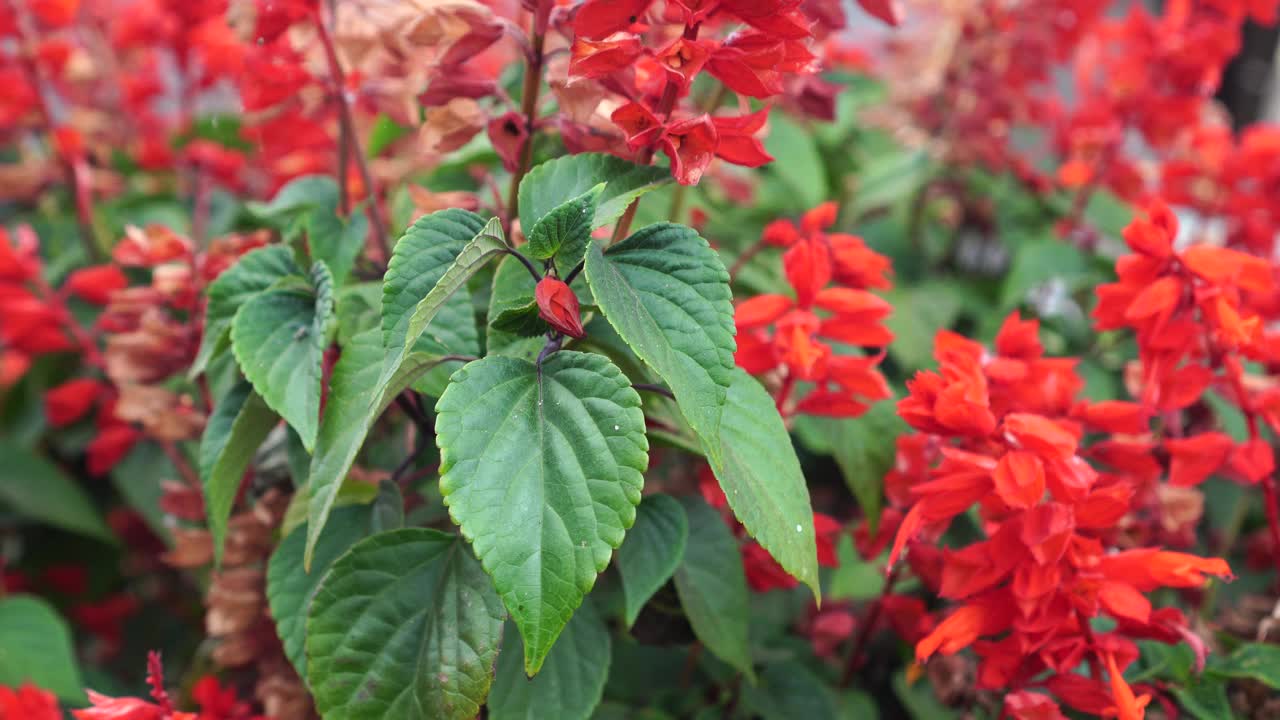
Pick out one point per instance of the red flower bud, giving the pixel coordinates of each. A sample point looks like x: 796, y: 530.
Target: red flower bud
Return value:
x: 559, y: 306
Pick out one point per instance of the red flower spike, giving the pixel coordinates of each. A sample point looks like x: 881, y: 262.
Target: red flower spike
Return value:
x: 1127, y: 705
x: 109, y: 447
x: 683, y: 59
x: 780, y: 233
x: 738, y: 142
x: 55, y: 13
x: 808, y: 268
x: 28, y: 702
x: 1195, y: 458
x: 751, y: 71
x: 691, y: 145
x: 558, y: 305
x: 1019, y: 479
x: 274, y: 17
x: 95, y: 284
x: 598, y: 19
x: 641, y: 126
x: 598, y: 59
x: 1040, y: 435
x: 71, y: 400
x: 761, y: 310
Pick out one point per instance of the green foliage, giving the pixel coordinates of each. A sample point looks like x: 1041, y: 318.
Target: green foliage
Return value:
x: 572, y: 678
x: 555, y: 182
x: 357, y: 396
x: 666, y: 293
x: 36, y: 489
x: 35, y: 647
x: 405, y: 625
x: 253, y: 274
x: 761, y: 477
x: 291, y: 587
x: 541, y: 467
x: 713, y: 587
x: 239, y: 424
x: 1254, y: 661
x: 564, y: 232
x: 864, y: 449
x: 279, y: 337
x: 652, y: 551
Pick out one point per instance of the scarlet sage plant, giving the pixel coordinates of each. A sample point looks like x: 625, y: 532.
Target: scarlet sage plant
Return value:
x: 595, y: 359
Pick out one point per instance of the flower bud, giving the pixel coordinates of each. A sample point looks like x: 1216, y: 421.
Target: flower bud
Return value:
x: 559, y: 306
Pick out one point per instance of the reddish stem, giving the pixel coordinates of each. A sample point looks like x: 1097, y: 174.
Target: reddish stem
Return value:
x: 349, y: 143
x: 868, y: 627
x: 668, y: 102
x: 188, y: 473
x: 529, y: 108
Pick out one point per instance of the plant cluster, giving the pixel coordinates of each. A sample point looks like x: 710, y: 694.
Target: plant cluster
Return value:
x: 635, y: 359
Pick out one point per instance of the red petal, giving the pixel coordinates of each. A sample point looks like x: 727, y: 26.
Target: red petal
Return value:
x: 600, y: 18
x: 887, y: 11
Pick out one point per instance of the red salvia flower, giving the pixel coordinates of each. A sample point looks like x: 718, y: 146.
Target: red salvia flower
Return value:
x: 558, y: 305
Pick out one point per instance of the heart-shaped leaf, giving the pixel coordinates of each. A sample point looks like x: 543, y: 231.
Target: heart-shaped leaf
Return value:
x: 652, y: 551
x: 279, y: 337
x: 541, y: 466
x: 405, y: 625
x: 555, y: 182
x: 713, y: 588
x: 667, y: 294
x: 571, y: 682
x: 761, y: 477
x: 290, y: 587
x: 253, y: 273
x: 564, y: 232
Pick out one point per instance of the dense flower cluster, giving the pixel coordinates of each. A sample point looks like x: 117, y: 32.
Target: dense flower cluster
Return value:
x: 1010, y: 441
x: 650, y: 58
x: 793, y: 337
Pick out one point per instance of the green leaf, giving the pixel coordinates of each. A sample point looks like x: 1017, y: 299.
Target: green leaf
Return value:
x: 761, y: 477
x: 420, y: 258
x: 555, y: 182
x: 35, y: 647
x: 854, y: 578
x: 427, y: 268
x: 138, y: 477
x: 279, y: 338
x: 572, y: 679
x: 252, y: 274
x: 652, y: 551
x: 789, y: 690
x: 1203, y: 699
x: 798, y: 162
x: 238, y: 425
x: 355, y: 402
x: 713, y: 588
x: 37, y: 489
x: 565, y: 232
x: 667, y: 294
x: 864, y: 448
x: 1038, y: 262
x: 405, y: 625
x: 335, y: 241
x: 298, y: 195
x: 918, y: 314
x: 290, y: 588
x: 1254, y: 661
x: 542, y: 468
